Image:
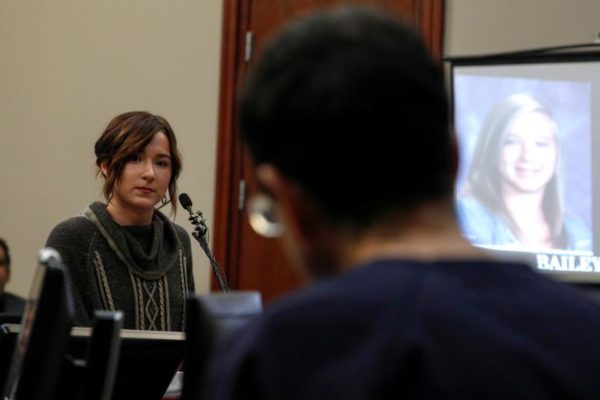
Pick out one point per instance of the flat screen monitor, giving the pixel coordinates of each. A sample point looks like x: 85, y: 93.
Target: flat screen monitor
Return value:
x: 528, y: 133
x: 147, y: 361
x: 39, y: 350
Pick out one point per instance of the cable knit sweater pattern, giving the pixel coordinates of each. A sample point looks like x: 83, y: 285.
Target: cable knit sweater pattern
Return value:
x: 110, y: 270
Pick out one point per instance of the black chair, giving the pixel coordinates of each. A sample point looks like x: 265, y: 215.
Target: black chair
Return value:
x: 212, y: 320
x: 102, y: 356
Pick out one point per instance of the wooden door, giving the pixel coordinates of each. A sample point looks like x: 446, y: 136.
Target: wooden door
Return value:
x: 250, y: 261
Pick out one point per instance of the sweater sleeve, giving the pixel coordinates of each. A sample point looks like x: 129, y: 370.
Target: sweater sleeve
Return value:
x: 71, y: 239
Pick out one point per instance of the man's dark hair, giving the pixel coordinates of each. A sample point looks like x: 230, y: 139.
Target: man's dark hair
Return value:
x: 4, y: 245
x: 349, y: 104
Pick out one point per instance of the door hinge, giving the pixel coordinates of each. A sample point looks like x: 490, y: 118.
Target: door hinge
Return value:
x: 242, y: 195
x: 248, y: 46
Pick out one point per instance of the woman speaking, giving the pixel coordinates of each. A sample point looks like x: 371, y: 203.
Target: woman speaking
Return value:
x: 125, y: 254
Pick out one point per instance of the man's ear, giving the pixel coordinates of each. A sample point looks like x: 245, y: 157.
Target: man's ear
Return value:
x: 295, y: 209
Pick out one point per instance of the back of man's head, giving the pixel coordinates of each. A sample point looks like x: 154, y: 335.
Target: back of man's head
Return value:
x: 349, y: 105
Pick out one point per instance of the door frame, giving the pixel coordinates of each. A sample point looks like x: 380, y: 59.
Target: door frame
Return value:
x: 229, y: 169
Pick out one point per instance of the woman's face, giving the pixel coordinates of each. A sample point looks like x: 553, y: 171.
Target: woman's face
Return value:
x: 145, y: 178
x: 528, y: 152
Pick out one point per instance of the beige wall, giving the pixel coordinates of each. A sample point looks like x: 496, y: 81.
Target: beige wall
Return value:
x: 487, y: 26
x: 66, y: 68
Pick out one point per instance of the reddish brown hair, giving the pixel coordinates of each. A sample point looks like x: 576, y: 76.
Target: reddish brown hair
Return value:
x: 127, y: 135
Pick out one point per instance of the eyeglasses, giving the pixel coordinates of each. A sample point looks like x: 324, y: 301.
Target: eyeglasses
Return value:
x: 262, y: 216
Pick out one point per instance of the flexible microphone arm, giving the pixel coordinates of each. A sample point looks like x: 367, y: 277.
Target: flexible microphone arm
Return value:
x: 200, y: 233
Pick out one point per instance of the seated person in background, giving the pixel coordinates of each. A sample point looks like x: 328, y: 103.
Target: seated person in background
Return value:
x: 346, y: 118
x: 126, y: 255
x: 10, y: 304
x: 513, y: 194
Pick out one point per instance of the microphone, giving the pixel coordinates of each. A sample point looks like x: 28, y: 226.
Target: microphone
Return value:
x: 196, y: 217
x: 200, y: 233
x: 186, y: 202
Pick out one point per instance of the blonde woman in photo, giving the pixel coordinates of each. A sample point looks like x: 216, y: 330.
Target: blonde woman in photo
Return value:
x: 513, y: 192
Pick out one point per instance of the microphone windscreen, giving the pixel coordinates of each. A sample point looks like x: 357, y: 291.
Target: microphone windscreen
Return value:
x: 185, y: 200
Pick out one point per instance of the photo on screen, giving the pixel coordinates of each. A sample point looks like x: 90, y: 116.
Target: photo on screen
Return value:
x: 526, y: 132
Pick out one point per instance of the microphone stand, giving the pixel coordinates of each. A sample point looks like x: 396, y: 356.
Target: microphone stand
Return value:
x: 200, y: 233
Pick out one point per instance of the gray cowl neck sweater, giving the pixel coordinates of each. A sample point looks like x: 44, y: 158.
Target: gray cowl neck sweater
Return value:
x: 152, y: 265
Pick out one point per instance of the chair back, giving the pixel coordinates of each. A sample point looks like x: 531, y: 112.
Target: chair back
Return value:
x: 212, y: 320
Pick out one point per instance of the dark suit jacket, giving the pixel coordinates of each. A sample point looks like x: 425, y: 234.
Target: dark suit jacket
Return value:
x: 12, y: 304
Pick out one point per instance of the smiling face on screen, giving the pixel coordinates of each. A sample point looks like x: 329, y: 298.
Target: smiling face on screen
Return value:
x: 528, y: 152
